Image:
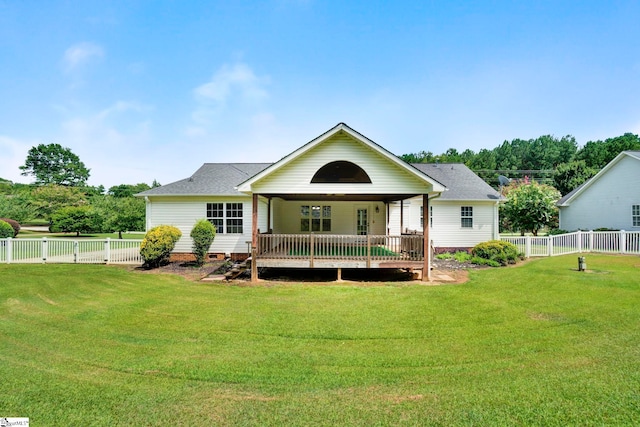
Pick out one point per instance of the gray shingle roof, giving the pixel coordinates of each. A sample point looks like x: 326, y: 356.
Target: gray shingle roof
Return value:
x: 211, y: 179
x: 462, y: 183
x: 220, y: 179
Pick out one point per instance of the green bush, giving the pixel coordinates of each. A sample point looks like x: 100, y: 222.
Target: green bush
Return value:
x: 498, y: 251
x: 202, y: 234
x: 14, y: 224
x: 6, y: 230
x: 157, y: 245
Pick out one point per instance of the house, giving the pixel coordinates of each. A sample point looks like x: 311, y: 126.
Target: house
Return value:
x: 460, y: 218
x: 335, y: 202
x: 610, y: 199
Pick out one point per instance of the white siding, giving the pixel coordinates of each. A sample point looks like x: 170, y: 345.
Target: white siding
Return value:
x: 183, y: 212
x: 447, y: 230
x: 386, y: 176
x: 607, y: 202
x: 343, y: 216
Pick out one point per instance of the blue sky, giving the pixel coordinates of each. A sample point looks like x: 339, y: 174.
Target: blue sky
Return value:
x: 144, y: 90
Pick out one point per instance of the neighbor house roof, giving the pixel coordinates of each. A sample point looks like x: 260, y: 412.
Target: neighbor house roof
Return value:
x: 462, y: 182
x: 221, y: 179
x: 569, y: 197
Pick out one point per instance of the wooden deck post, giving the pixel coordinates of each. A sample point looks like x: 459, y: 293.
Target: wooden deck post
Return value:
x: 401, y: 216
x: 426, y: 243
x: 254, y: 238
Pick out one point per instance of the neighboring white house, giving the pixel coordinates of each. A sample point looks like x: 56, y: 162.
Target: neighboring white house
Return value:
x: 611, y: 199
x: 340, y: 185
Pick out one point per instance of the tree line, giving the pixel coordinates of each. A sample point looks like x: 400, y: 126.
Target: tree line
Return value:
x: 547, y: 159
x: 62, y: 199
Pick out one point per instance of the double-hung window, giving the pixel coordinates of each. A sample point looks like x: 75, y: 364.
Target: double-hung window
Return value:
x: 422, y: 216
x: 635, y: 215
x: 227, y: 217
x: 315, y: 218
x: 466, y: 216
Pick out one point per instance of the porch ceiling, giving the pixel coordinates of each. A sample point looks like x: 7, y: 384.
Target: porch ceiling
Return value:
x: 343, y: 197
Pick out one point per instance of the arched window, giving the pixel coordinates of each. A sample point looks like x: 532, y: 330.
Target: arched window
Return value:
x: 341, y: 172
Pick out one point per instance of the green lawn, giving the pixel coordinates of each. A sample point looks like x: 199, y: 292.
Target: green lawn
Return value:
x: 538, y: 344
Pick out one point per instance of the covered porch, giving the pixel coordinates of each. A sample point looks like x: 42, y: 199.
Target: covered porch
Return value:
x: 317, y: 248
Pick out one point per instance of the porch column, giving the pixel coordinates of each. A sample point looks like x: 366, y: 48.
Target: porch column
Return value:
x: 401, y: 216
x: 254, y: 238
x: 269, y: 215
x: 426, y: 268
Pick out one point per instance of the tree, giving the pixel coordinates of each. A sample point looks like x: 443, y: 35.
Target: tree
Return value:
x: 46, y: 200
x: 78, y: 219
x: 53, y: 164
x: 571, y: 175
x: 202, y: 234
x: 127, y: 190
x: 597, y: 154
x: 124, y: 214
x: 530, y: 206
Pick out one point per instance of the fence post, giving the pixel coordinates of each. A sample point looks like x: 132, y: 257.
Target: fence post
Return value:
x: 549, y: 245
x: 75, y: 251
x: 527, y: 246
x: 579, y: 241
x: 590, y: 240
x: 44, y: 250
x: 107, y: 250
x: 623, y: 242
x: 9, y: 250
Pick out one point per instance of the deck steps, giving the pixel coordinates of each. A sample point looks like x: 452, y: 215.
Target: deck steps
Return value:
x: 237, y: 269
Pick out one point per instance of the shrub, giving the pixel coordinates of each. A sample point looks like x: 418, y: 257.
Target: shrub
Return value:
x: 498, y: 251
x: 14, y: 224
x: 202, y: 234
x: 157, y: 245
x: 6, y: 230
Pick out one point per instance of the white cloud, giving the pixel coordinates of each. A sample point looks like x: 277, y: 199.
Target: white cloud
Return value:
x: 233, y: 91
x: 233, y: 80
x: 14, y: 153
x: 80, y: 54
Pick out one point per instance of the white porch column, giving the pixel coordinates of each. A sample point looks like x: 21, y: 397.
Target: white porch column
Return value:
x: 254, y: 238
x: 426, y: 267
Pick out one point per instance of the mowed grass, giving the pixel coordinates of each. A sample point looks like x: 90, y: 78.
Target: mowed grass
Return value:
x: 538, y: 344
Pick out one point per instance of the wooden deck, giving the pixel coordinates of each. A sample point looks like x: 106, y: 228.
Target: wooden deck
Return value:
x: 339, y: 251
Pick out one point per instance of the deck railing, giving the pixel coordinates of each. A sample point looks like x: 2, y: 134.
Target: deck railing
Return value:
x: 94, y: 251
x: 623, y: 242
x: 340, y: 247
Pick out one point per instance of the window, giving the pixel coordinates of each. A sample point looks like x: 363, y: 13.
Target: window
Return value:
x: 215, y: 215
x: 341, y: 172
x: 315, y: 218
x: 430, y: 216
x: 227, y: 217
x: 466, y: 216
x: 234, y: 218
x: 635, y: 215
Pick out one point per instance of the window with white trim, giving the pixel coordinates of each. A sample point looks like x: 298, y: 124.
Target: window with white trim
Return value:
x: 466, y: 216
x: 227, y: 217
x: 635, y: 215
x: 315, y: 218
x: 430, y: 216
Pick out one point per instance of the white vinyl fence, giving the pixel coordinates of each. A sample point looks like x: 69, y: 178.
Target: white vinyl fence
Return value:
x: 103, y: 251
x: 621, y: 242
